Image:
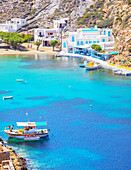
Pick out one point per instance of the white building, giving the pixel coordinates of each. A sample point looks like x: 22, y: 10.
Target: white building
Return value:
x: 45, y: 36
x: 60, y: 24
x: 13, y: 25
x: 87, y: 37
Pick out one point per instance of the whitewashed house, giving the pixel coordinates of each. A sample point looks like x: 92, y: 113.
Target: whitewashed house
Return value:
x: 87, y: 37
x: 13, y: 25
x: 60, y: 24
x: 45, y: 36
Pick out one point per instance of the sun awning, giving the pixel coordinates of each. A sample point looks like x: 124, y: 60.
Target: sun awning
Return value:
x: 114, y: 52
x: 26, y: 124
x: 31, y: 123
x: 41, y: 123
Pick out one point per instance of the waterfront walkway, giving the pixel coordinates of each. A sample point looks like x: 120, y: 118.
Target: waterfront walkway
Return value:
x: 104, y: 64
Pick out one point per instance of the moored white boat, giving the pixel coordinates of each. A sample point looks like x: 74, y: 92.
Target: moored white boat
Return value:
x: 29, y: 130
x: 19, y: 80
x: 7, y: 97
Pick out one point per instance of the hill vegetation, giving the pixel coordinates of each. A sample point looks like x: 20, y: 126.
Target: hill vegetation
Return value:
x: 82, y: 13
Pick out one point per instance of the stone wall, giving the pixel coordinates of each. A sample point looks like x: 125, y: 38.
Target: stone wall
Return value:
x: 4, y: 155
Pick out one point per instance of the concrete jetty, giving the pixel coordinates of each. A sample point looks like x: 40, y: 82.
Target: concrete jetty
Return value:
x: 104, y: 64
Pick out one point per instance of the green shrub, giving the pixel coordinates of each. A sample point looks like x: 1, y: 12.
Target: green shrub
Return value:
x: 106, y: 23
x: 93, y: 46
x: 33, y: 11
x: 102, y: 51
x: 37, y: 43
x: 98, y: 48
x: 91, y: 6
x: 129, y: 50
x: 53, y: 43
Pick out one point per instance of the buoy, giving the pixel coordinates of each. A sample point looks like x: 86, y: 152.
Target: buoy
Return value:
x: 90, y: 105
x: 69, y: 86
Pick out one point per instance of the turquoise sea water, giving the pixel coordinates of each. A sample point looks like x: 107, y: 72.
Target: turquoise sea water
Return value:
x: 81, y: 137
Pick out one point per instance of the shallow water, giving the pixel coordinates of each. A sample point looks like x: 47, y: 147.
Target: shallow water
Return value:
x: 81, y: 137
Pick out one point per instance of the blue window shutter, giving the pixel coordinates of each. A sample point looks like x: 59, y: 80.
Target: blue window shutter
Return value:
x: 109, y: 33
x: 90, y: 42
x: 73, y: 38
x: 77, y: 42
x: 104, y: 32
x: 94, y: 41
x: 103, y: 40
x: 86, y: 42
x: 98, y: 41
x: 81, y: 42
x: 64, y: 45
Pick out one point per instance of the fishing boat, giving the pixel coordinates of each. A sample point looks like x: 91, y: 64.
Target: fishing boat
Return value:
x: 19, y: 80
x: 91, y: 66
x: 7, y: 97
x: 31, y: 131
x: 83, y: 64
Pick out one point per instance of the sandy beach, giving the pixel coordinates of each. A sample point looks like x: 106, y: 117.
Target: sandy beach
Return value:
x: 30, y: 49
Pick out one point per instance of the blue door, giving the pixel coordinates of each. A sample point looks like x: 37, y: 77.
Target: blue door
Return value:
x: 64, y: 45
x: 73, y: 38
x: 81, y: 42
x: 77, y: 42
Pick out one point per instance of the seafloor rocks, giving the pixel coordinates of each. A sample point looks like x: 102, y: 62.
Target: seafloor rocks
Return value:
x: 18, y: 162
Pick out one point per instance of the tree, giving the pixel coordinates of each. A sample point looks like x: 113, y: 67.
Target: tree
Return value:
x: 98, y: 48
x: 13, y: 39
x: 37, y: 43
x: 93, y: 46
x: 53, y: 43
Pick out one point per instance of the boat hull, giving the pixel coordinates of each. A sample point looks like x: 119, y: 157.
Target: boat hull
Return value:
x: 92, y: 68
x: 81, y: 65
x: 22, y: 136
x: 31, y: 139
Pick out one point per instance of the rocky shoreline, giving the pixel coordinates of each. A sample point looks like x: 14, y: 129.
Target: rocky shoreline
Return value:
x: 18, y: 161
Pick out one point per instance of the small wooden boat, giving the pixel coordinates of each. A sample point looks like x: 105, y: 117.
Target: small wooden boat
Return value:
x: 7, y: 97
x: 31, y: 138
x: 91, y: 66
x: 19, y: 80
x: 30, y: 131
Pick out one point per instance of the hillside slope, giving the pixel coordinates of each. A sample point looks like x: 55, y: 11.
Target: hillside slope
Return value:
x: 111, y: 14
x: 82, y: 13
